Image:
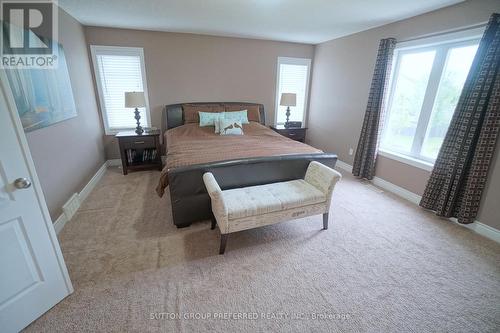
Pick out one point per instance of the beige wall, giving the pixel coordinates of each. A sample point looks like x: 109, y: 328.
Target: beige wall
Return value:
x: 342, y: 73
x: 68, y: 154
x: 190, y: 68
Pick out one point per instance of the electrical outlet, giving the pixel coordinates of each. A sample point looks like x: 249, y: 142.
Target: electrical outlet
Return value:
x: 351, y: 151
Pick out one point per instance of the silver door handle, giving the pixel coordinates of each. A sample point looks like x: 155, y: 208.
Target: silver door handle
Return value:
x: 21, y: 183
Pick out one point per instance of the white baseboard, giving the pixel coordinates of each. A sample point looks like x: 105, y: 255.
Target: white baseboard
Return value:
x: 343, y: 166
x: 115, y: 162
x: 399, y: 191
x: 74, y: 202
x: 71, y: 206
x: 478, y: 227
x: 84, y: 193
x: 384, y: 184
x: 60, y: 223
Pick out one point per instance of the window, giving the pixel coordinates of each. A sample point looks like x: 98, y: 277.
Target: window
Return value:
x: 117, y: 70
x: 292, y: 77
x: 428, y: 77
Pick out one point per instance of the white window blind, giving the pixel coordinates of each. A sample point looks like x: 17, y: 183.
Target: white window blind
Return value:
x: 293, y: 77
x: 119, y: 70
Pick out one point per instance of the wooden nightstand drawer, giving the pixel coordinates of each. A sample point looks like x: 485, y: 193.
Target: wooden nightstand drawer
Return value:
x: 138, y: 142
x: 297, y: 134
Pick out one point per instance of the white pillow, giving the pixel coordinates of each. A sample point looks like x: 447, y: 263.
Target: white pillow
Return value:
x: 241, y: 116
x: 217, y: 122
x: 230, y: 127
x: 210, y: 119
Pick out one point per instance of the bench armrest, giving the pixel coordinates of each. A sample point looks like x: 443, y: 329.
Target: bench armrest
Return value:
x: 323, y: 178
x: 218, y: 206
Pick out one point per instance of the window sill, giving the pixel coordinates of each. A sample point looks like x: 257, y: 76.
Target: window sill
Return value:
x: 114, y: 131
x: 407, y: 160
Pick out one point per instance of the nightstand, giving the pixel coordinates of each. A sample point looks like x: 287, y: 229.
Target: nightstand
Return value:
x: 140, y: 151
x: 294, y: 133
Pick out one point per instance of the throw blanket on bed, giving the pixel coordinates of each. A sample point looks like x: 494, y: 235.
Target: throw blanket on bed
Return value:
x: 190, y: 144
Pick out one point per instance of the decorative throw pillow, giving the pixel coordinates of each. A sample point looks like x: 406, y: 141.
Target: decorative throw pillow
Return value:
x: 217, y: 122
x: 209, y: 118
x: 241, y: 116
x: 230, y: 127
x: 252, y: 110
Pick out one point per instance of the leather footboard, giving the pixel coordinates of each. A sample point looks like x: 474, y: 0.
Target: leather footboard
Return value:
x: 190, y: 200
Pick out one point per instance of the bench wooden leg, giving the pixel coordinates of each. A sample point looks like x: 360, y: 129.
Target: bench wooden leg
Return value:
x: 223, y: 241
x: 214, y: 222
x: 325, y: 221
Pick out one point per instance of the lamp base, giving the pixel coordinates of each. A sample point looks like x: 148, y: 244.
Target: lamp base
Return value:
x: 287, y: 123
x: 139, y: 130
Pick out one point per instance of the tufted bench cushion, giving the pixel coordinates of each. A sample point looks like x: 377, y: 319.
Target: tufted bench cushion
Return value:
x: 254, y: 206
x: 262, y: 199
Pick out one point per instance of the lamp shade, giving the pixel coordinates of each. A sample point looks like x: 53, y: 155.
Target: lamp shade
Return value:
x: 288, y: 99
x: 134, y: 99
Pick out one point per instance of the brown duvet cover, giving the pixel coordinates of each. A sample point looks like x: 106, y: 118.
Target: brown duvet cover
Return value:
x: 191, y: 144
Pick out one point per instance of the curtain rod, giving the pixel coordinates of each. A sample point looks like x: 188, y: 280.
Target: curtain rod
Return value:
x: 444, y: 32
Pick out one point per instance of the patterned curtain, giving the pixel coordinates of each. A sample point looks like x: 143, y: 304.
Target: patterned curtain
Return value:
x: 366, y: 153
x: 459, y: 175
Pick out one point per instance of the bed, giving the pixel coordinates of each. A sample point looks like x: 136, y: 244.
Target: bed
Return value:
x: 258, y: 157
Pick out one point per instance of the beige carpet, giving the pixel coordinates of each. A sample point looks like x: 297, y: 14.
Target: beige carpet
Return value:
x: 383, y: 266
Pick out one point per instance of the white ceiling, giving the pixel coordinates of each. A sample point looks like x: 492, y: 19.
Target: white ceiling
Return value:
x: 306, y: 21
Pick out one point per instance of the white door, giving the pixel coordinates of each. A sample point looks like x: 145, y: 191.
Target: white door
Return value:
x: 33, y: 275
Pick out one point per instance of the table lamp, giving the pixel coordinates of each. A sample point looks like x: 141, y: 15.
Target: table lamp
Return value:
x: 135, y: 99
x: 288, y: 99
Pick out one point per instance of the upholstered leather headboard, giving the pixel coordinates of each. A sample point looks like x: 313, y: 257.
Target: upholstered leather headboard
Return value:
x: 174, y: 113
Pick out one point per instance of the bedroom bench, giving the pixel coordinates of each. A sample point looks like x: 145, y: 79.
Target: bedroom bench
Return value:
x: 255, y: 206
